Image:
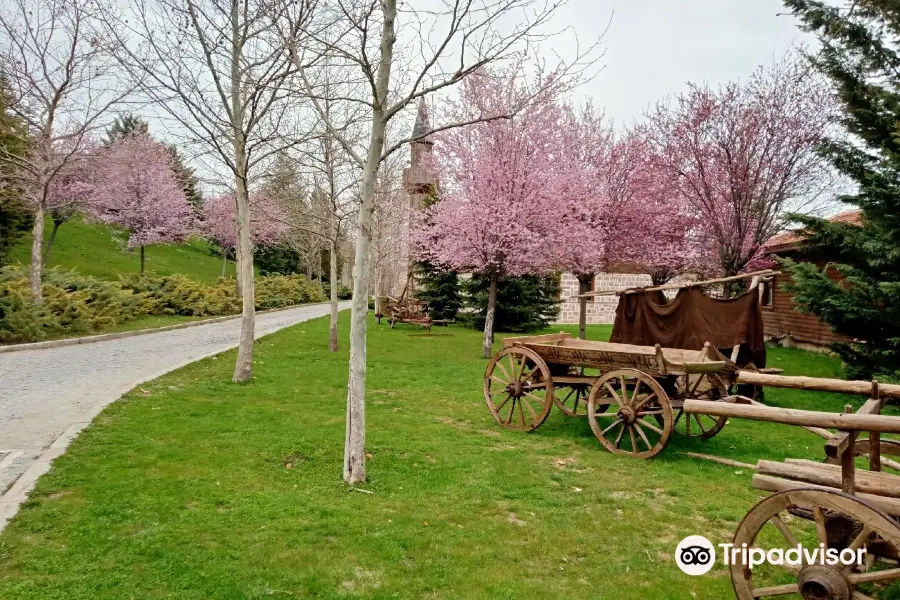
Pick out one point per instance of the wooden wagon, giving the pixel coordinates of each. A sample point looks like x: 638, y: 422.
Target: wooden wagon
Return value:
x: 633, y: 404
x: 833, y: 505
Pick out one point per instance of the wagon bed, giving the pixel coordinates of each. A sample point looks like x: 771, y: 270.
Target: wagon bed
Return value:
x: 562, y: 349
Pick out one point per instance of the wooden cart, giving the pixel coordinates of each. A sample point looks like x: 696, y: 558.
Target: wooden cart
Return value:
x: 813, y: 504
x: 633, y: 404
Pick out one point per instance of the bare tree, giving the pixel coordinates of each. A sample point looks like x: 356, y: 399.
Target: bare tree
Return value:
x: 62, y: 84
x: 441, y: 47
x: 219, y: 71
x: 320, y: 221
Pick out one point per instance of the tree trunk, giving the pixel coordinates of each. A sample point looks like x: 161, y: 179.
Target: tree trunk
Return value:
x: 243, y: 368
x: 584, y: 286
x: 333, y: 275
x: 52, y: 237
x: 489, y: 319
x: 355, y: 443
x: 224, y: 261
x: 143, y: 260
x: 37, y: 245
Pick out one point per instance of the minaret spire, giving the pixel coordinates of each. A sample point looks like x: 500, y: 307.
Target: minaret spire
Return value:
x: 423, y: 122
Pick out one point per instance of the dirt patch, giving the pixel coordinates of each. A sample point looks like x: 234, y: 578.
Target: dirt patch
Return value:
x: 512, y: 518
x: 562, y: 464
x: 362, y: 582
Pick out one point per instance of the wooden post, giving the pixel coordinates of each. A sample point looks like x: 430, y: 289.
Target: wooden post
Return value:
x: 848, y: 458
x: 584, y: 286
x: 875, y: 436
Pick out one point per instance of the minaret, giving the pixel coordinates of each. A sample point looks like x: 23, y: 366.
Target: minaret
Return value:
x: 418, y: 179
x: 420, y: 182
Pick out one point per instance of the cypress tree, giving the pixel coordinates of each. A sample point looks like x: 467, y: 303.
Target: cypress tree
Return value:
x: 859, y: 54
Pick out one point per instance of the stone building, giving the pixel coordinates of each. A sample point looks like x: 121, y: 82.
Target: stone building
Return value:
x: 600, y: 309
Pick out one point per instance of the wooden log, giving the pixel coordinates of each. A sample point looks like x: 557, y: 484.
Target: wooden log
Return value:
x: 722, y: 461
x: 775, y: 484
x: 550, y: 338
x: 680, y: 286
x: 817, y: 384
x: 838, y: 443
x: 867, y: 482
x: 790, y: 416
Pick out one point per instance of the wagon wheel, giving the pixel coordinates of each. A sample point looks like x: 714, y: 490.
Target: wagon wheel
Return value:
x: 701, y: 386
x: 571, y: 398
x: 630, y: 426
x: 839, y: 521
x: 518, y: 388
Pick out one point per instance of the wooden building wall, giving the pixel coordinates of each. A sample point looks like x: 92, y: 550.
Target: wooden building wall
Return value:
x: 780, y: 317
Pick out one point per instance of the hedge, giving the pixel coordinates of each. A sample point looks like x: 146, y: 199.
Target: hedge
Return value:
x: 78, y: 304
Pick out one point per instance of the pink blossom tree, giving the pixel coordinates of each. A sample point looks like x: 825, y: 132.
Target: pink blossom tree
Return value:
x: 664, y: 232
x: 595, y: 187
x: 71, y: 188
x: 497, y: 179
x: 138, y: 190
x: 745, y: 154
x: 267, y: 222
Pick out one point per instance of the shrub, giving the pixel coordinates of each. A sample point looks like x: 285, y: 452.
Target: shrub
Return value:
x: 72, y: 304
x: 76, y: 304
x: 344, y: 293
x: 277, y: 291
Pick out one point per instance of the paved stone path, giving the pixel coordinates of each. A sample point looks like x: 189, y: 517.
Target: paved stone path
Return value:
x: 47, y: 396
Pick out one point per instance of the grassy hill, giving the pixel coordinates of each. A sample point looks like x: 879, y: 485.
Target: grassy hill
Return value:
x: 91, y: 249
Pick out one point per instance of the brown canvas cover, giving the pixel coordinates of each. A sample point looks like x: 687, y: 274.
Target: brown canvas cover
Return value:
x: 691, y: 319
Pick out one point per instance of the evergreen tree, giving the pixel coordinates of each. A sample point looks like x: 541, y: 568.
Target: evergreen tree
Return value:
x: 441, y: 289
x: 187, y: 177
x: 123, y: 126
x: 15, y: 218
x: 859, y: 54
x: 525, y: 303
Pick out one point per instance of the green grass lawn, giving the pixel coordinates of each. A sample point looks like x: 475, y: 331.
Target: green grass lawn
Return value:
x: 195, y: 488
x: 91, y: 249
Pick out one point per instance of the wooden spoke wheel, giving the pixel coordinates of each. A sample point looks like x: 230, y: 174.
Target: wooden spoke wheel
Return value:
x: 701, y: 386
x: 810, y: 518
x: 630, y: 413
x: 571, y: 398
x: 518, y: 389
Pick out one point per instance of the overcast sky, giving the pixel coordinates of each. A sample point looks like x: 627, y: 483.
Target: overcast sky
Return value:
x: 653, y: 47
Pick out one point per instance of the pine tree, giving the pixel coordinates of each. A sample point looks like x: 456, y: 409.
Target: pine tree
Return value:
x: 859, y: 54
x: 524, y: 303
x: 123, y: 126
x: 437, y: 286
x: 440, y: 289
x: 14, y: 216
x: 188, y: 179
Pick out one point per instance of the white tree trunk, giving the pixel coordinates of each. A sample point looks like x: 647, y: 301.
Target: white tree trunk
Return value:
x: 37, y: 248
x: 333, y: 277
x: 489, y: 319
x: 243, y: 368
x: 355, y: 443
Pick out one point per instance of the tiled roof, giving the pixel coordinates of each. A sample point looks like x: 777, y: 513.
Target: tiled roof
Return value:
x: 782, y: 241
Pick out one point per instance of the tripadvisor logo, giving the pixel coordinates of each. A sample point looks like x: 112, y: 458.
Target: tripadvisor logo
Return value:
x: 696, y: 555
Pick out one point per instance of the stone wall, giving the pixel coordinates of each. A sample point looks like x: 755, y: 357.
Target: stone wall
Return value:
x: 600, y: 309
